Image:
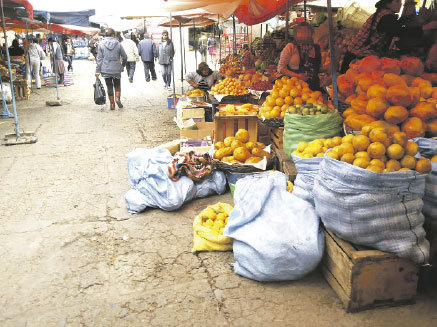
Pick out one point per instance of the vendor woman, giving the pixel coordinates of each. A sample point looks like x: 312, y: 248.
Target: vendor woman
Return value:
x: 377, y: 33
x: 302, y: 58
x: 203, y: 78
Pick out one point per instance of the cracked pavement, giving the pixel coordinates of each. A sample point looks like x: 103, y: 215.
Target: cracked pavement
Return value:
x: 71, y: 254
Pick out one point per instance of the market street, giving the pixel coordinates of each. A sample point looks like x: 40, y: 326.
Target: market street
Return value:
x: 72, y: 255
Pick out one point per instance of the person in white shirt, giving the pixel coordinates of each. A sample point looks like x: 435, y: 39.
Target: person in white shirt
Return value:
x: 36, y: 54
x: 131, y: 50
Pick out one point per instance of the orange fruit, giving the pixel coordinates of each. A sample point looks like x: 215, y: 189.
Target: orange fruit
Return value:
x: 400, y: 138
x: 388, y: 170
x: 336, y: 140
x: 297, y: 101
x: 423, y: 166
x: 346, y: 148
x: 288, y: 99
x: 362, y: 154
x: 283, y: 93
x: 270, y: 101
x: 279, y: 101
x: 360, y: 142
x: 361, y: 162
x: 395, y: 151
x: 411, y: 148
x: 377, y: 162
x: 242, y: 135
x: 434, y: 158
x: 366, y: 130
x: 347, y: 139
x: 408, y: 162
x: 332, y: 154
x: 375, y: 169
x: 279, y: 83
x: 393, y: 164
x: 348, y: 157
x: 274, y: 94
x: 294, y: 92
x: 284, y: 107
x: 378, y: 135
x: 376, y: 150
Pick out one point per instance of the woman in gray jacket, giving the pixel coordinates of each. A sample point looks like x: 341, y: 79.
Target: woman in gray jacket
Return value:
x: 111, y: 58
x: 165, y: 57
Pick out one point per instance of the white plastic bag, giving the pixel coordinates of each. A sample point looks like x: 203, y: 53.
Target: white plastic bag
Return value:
x: 276, y: 234
x: 307, y: 170
x: 383, y: 211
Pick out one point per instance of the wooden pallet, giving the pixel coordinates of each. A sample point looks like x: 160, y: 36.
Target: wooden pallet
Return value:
x: 365, y: 278
x: 285, y: 164
x: 276, y: 135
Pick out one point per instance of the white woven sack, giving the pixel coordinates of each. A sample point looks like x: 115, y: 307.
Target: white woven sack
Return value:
x: 307, y: 170
x: 382, y: 211
x: 428, y: 148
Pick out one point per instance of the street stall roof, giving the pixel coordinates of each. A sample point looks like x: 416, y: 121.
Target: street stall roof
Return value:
x: 189, y: 21
x: 77, y: 18
x: 20, y: 3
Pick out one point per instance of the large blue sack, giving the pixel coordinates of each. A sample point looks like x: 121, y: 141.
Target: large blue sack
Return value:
x: 428, y: 148
x: 307, y: 170
x: 152, y: 187
x: 382, y: 211
x: 276, y: 234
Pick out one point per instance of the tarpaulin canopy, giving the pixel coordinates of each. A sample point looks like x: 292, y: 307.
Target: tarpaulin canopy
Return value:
x: 251, y: 12
x: 19, y: 3
x: 188, y: 21
x: 20, y: 26
x: 77, y: 18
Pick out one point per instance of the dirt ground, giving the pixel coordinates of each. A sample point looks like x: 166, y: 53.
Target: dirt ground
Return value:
x: 71, y: 254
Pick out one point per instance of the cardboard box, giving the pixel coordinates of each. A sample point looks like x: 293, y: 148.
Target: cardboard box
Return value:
x: 203, y: 130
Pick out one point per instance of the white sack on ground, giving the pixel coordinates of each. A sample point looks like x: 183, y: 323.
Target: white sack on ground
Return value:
x: 276, y: 234
x: 307, y: 170
x: 382, y: 211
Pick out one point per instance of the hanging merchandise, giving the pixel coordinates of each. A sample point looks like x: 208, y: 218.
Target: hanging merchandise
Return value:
x: 276, y: 234
x: 382, y: 211
x: 208, y: 229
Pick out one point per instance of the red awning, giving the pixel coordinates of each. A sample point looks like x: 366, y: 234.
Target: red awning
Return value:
x: 20, y: 3
x: 251, y: 12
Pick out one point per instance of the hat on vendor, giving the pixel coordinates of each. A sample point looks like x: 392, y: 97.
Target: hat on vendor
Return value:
x: 203, y: 65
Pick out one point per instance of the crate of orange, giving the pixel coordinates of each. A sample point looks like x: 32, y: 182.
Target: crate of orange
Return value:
x: 230, y: 90
x: 286, y: 93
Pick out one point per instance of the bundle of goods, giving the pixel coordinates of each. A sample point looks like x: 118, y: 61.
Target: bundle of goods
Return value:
x: 229, y: 86
x: 375, y: 89
x: 238, y: 149
x: 238, y: 110
x: 208, y: 229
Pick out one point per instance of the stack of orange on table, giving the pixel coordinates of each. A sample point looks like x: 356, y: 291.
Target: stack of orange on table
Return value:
x: 287, y: 92
x: 229, y: 86
x: 398, y: 92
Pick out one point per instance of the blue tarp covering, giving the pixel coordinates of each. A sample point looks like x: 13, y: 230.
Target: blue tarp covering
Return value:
x: 78, y: 18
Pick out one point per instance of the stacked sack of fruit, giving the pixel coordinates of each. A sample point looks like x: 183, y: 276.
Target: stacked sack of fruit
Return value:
x: 208, y: 229
x: 395, y: 91
x: 240, y: 150
x: 381, y: 185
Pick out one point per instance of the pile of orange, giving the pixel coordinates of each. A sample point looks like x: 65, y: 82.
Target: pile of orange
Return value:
x: 380, y: 150
x: 238, y: 149
x: 287, y: 92
x: 229, y: 86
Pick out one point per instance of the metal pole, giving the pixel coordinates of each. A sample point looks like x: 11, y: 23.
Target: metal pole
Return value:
x: 234, y: 34
x: 5, y: 113
x: 172, y: 64
x: 333, y: 56
x: 287, y: 19
x: 182, y: 58
x: 14, y: 106
x: 219, y: 39
x: 54, y: 63
x: 305, y: 9
x: 261, y: 33
x: 195, y: 44
x: 185, y: 55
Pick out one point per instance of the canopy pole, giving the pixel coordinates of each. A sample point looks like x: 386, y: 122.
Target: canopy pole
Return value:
x: 14, y: 106
x: 54, y: 63
x: 185, y: 55
x: 304, y: 9
x: 287, y: 19
x: 182, y: 58
x: 195, y: 45
x: 234, y: 34
x: 172, y: 64
x: 219, y: 39
x: 333, y: 56
x: 261, y: 32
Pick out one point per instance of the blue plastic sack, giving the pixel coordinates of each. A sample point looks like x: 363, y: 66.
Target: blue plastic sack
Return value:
x: 428, y: 148
x: 276, y: 234
x: 382, y: 211
x: 151, y: 186
x: 307, y: 170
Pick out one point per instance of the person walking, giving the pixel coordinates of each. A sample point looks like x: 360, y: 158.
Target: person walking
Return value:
x: 131, y: 50
x: 203, y: 46
x: 110, y: 56
x: 36, y: 54
x: 165, y: 58
x: 59, y: 62
x: 147, y: 51
x: 69, y: 53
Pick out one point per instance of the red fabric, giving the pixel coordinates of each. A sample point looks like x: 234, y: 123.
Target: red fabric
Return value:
x: 20, y: 3
x: 251, y: 12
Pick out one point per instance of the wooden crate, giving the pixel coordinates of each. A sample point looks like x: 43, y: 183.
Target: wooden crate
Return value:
x: 364, y: 278
x: 276, y: 135
x: 225, y: 126
x: 285, y: 164
x: 21, y: 90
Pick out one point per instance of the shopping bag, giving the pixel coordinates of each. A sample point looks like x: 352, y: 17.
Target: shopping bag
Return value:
x: 208, y: 238
x: 99, y: 92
